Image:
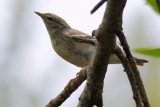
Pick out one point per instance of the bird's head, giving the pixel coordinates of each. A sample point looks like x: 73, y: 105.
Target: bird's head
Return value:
x: 53, y: 21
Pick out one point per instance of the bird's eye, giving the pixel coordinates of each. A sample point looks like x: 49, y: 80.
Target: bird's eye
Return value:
x: 49, y: 18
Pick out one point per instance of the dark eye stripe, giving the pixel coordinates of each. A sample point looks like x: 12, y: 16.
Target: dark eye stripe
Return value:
x: 58, y: 23
x: 49, y: 18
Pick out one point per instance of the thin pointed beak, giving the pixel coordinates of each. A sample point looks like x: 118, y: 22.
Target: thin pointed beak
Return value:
x: 40, y: 14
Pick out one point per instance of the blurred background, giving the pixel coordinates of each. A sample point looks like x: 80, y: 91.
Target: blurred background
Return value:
x: 31, y: 73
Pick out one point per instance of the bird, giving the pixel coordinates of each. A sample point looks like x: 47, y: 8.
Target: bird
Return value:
x: 73, y: 45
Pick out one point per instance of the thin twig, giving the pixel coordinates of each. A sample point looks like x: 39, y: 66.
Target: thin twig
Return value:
x: 132, y: 63
x: 131, y: 77
x: 96, y: 7
x: 68, y: 90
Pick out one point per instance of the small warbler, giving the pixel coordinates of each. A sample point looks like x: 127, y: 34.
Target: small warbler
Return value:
x: 72, y: 45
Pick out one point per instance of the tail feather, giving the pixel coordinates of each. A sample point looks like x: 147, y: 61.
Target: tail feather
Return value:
x: 140, y: 61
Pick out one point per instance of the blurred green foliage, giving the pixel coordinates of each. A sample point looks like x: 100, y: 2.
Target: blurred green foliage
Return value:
x: 155, y: 4
x: 148, y: 51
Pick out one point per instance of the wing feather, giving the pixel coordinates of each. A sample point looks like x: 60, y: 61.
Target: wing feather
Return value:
x: 81, y: 37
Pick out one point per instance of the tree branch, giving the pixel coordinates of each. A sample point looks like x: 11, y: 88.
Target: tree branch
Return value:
x: 69, y: 89
x: 132, y: 63
x: 92, y: 94
x: 131, y: 77
x: 97, y: 6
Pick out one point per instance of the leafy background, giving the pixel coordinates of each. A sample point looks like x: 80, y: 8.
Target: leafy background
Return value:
x: 155, y: 52
x: 31, y: 73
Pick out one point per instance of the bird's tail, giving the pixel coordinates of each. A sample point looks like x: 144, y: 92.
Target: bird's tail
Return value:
x: 140, y: 61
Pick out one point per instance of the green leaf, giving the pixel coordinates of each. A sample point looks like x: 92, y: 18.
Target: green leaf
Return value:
x: 150, y: 52
x: 155, y: 4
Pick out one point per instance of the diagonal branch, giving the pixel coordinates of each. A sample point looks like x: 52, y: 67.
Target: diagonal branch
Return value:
x: 132, y: 63
x: 131, y: 77
x: 68, y: 90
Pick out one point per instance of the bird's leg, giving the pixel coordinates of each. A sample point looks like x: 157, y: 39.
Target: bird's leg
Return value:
x: 71, y: 81
x: 93, y: 33
x: 80, y: 72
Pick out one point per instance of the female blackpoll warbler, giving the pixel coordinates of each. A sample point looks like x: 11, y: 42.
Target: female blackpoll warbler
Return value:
x: 72, y: 45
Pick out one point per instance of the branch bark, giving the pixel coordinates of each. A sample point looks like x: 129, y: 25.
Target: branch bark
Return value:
x: 132, y: 63
x: 131, y: 77
x: 92, y: 94
x: 69, y: 89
